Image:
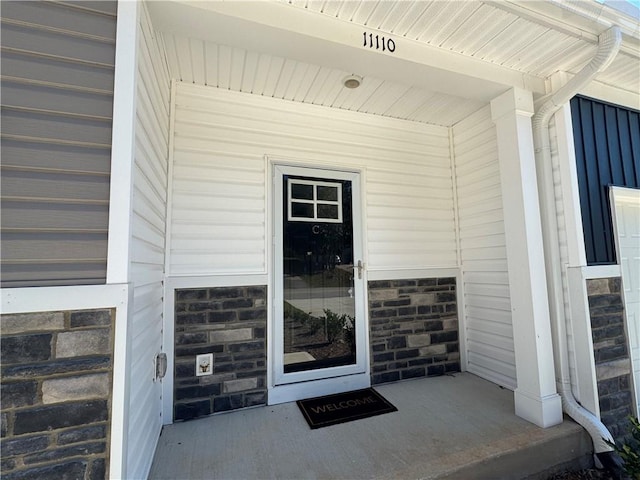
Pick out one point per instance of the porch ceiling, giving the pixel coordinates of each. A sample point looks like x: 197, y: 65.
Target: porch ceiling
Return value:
x: 451, y: 56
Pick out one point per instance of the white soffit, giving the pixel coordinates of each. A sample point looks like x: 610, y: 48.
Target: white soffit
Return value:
x: 450, y: 58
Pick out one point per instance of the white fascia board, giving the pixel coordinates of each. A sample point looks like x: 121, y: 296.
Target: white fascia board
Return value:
x: 291, y: 32
x: 611, y: 94
x: 581, y: 19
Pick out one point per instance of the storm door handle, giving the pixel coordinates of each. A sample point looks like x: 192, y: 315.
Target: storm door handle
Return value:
x: 360, y: 267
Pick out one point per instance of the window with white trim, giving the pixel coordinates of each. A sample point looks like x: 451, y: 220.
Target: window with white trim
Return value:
x: 314, y: 201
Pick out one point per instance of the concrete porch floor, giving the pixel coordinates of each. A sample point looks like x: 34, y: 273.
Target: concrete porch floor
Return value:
x: 458, y: 427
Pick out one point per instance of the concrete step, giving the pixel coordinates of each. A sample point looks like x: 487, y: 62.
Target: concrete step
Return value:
x: 568, y: 449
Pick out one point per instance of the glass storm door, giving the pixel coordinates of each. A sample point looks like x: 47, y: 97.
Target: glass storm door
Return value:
x: 319, y: 328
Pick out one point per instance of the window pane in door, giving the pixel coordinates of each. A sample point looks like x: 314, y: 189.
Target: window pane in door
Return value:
x: 327, y: 193
x: 302, y: 210
x: 327, y: 211
x: 301, y: 191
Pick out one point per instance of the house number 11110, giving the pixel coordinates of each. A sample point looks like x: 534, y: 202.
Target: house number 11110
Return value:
x: 378, y: 42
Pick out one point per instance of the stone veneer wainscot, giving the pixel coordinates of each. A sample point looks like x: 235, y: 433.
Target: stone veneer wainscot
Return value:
x: 231, y: 323
x: 414, y: 328
x: 611, y: 353
x: 56, y: 394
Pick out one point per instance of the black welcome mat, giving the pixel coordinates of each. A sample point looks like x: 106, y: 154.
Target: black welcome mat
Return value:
x: 344, y: 407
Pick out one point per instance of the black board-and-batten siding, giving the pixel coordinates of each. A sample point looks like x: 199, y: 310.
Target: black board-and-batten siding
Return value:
x: 607, y: 147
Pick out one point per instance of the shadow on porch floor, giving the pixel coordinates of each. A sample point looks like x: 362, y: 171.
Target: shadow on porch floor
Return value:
x: 458, y: 427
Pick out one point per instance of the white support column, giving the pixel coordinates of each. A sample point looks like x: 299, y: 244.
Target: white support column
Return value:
x: 536, y: 399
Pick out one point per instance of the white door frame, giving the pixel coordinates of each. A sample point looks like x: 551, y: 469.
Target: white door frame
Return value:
x: 632, y: 326
x: 285, y: 387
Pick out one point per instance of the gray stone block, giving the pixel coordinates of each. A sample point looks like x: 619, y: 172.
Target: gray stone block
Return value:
x: 382, y: 294
x: 192, y: 338
x: 223, y: 316
x: 226, y: 292
x: 71, y: 470
x: 240, y: 385
x: 237, y: 303
x: 7, y: 464
x: 57, y: 367
x: 613, y: 369
x: 84, y: 342
x: 191, y: 318
x: 435, y: 370
x: 442, y: 337
x: 83, y: 449
x: 252, y: 399
x: 383, y: 357
x: 253, y: 314
x: 190, y: 295
x: 232, y: 335
x: 243, y: 347
x: 52, y: 417
x: 31, y: 322
x: 412, y: 373
x: 432, y: 350
x: 98, y: 469
x: 402, y: 354
x: 92, y: 318
x: 18, y: 394
x: 420, y: 340
x: 396, y: 342
x: 198, y: 391
x: 4, y: 424
x: 25, y: 349
x: 186, y: 411
x: 385, y: 377
x: 83, y: 387
x: 597, y: 286
x: 93, y: 432
x: 21, y: 445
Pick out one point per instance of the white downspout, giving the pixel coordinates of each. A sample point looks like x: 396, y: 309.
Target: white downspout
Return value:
x: 608, y: 46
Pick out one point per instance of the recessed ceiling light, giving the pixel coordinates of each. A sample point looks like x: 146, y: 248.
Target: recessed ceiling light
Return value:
x: 352, y: 81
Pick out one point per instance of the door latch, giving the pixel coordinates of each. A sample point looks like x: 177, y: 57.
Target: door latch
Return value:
x: 360, y: 267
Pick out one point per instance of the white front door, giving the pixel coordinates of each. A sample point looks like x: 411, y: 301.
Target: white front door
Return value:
x: 319, y: 331
x: 627, y: 220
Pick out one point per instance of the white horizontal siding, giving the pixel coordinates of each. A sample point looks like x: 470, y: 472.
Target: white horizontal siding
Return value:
x: 219, y: 209
x: 148, y: 248
x: 487, y: 306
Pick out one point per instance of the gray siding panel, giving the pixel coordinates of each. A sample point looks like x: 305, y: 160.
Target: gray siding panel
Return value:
x: 57, y: 102
x: 55, y: 17
x: 64, y: 157
x: 56, y: 72
x: 56, y: 99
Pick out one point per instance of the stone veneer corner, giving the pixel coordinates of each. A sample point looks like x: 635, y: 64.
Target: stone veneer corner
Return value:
x: 56, y: 394
x: 611, y: 354
x: 413, y: 328
x: 231, y: 324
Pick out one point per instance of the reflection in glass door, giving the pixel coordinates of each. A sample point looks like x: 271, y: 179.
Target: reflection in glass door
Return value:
x: 319, y: 304
x: 319, y: 328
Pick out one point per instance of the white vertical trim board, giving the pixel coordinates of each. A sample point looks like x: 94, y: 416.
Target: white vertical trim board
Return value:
x: 488, y: 331
x: 123, y: 143
x: 148, y: 236
x: 584, y: 381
